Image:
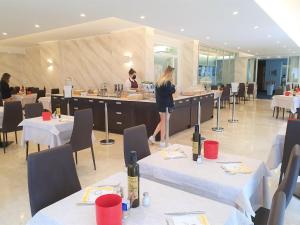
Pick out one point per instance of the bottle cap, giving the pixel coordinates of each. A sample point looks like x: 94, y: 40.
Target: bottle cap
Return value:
x: 133, y: 157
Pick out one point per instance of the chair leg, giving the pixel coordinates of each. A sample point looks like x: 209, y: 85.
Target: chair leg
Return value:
x: 76, y: 160
x: 93, y: 156
x: 274, y: 111
x: 283, y: 111
x: 16, y: 136
x: 4, y: 142
x: 39, y: 149
x: 27, y: 147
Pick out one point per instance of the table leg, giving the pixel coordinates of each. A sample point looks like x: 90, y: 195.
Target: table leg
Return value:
x: 2, y: 144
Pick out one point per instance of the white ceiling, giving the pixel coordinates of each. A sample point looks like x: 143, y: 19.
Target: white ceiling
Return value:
x: 198, y: 18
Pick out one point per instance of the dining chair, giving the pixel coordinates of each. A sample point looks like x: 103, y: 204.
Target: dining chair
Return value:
x: 54, y: 91
x: 250, y: 90
x: 52, y: 176
x: 136, y: 139
x: 214, y: 87
x: 32, y: 110
x: 292, y: 137
x: 225, y: 97
x: 241, y: 92
x: 81, y: 137
x: 41, y: 93
x: 278, y: 91
x: 274, y: 215
x: 289, y: 182
x: 12, y: 117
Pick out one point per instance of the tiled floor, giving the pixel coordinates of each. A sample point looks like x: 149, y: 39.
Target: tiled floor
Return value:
x: 251, y: 137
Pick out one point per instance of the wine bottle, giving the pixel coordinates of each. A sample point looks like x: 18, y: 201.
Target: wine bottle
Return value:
x: 199, y: 145
x: 196, y: 143
x: 58, y: 111
x: 133, y: 173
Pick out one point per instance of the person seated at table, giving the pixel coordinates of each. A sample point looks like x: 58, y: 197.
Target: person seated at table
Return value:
x: 4, y: 87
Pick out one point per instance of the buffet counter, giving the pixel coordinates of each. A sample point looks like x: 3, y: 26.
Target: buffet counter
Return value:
x: 124, y: 113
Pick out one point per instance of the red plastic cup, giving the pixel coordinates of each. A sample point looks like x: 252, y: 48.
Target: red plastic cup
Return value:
x: 287, y: 93
x: 46, y: 116
x: 109, y: 210
x: 211, y: 149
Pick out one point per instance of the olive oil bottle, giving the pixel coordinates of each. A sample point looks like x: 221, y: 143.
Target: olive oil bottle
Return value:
x: 133, y: 173
x: 196, y: 140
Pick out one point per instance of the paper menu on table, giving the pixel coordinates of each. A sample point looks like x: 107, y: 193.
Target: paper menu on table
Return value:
x: 173, y: 152
x: 235, y: 168
x: 90, y: 194
x: 191, y: 219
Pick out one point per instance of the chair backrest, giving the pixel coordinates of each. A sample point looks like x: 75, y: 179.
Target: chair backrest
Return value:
x: 12, y: 116
x: 241, y: 89
x: 35, y: 90
x: 17, y: 89
x: 289, y: 183
x: 14, y: 91
x: 82, y: 130
x: 41, y: 93
x: 276, y: 216
x: 136, y: 139
x: 214, y: 87
x: 225, y: 93
x: 292, y: 137
x: 278, y: 91
x: 51, y: 177
x: 1, y: 100
x: 33, y: 110
x: 55, y: 91
x: 250, y: 89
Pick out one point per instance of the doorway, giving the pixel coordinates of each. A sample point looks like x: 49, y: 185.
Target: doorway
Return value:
x: 261, y: 76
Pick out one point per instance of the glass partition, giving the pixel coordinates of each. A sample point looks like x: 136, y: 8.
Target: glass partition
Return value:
x: 165, y: 56
x: 293, y: 69
x: 216, y: 66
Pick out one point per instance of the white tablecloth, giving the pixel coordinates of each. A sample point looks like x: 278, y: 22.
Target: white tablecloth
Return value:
x: 276, y: 153
x: 46, y: 101
x: 25, y: 99
x: 217, y: 94
x: 1, y: 115
x: 286, y: 102
x: 53, y: 133
x: 244, y: 191
x: 164, y: 199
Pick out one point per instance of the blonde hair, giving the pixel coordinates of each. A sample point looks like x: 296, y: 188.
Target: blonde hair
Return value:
x: 165, y: 77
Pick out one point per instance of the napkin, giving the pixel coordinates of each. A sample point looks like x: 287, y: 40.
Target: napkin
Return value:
x: 192, y: 219
x: 235, y: 168
x: 90, y: 194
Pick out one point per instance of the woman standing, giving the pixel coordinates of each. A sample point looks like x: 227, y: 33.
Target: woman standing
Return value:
x: 4, y: 86
x: 164, y: 91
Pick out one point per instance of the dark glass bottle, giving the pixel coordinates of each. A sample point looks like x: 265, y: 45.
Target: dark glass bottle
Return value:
x: 133, y: 173
x: 196, y: 141
x: 199, y: 145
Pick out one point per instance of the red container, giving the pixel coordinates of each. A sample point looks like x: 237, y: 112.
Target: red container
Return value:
x: 109, y: 210
x: 211, y: 149
x: 46, y: 116
x: 287, y: 93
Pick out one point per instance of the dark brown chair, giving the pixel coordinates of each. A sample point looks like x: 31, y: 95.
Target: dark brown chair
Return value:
x: 54, y: 91
x: 12, y: 117
x: 82, y: 132
x: 225, y: 97
x: 52, y: 176
x: 289, y: 182
x: 35, y: 90
x: 292, y: 138
x: 136, y: 139
x: 31, y: 111
x: 250, y: 90
x: 41, y: 93
x: 278, y: 91
x: 241, y: 92
x: 214, y: 87
x: 274, y: 216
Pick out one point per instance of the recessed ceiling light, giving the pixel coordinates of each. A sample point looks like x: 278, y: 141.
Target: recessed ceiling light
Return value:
x: 4, y: 33
x: 207, y: 37
x: 37, y: 26
x: 239, y: 47
x: 248, y: 51
x: 181, y: 30
x: 82, y: 15
x: 235, y: 13
x: 279, y: 56
x: 255, y: 27
x: 268, y: 57
x: 269, y: 36
x: 142, y: 17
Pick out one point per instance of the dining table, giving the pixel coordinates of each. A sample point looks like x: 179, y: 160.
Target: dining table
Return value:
x: 163, y: 200
x: 53, y: 133
x: 286, y: 102
x: 46, y: 102
x: 25, y: 99
x: 247, y: 192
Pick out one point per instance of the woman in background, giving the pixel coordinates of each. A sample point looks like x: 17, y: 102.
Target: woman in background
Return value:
x: 131, y: 82
x: 164, y: 91
x: 4, y: 86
